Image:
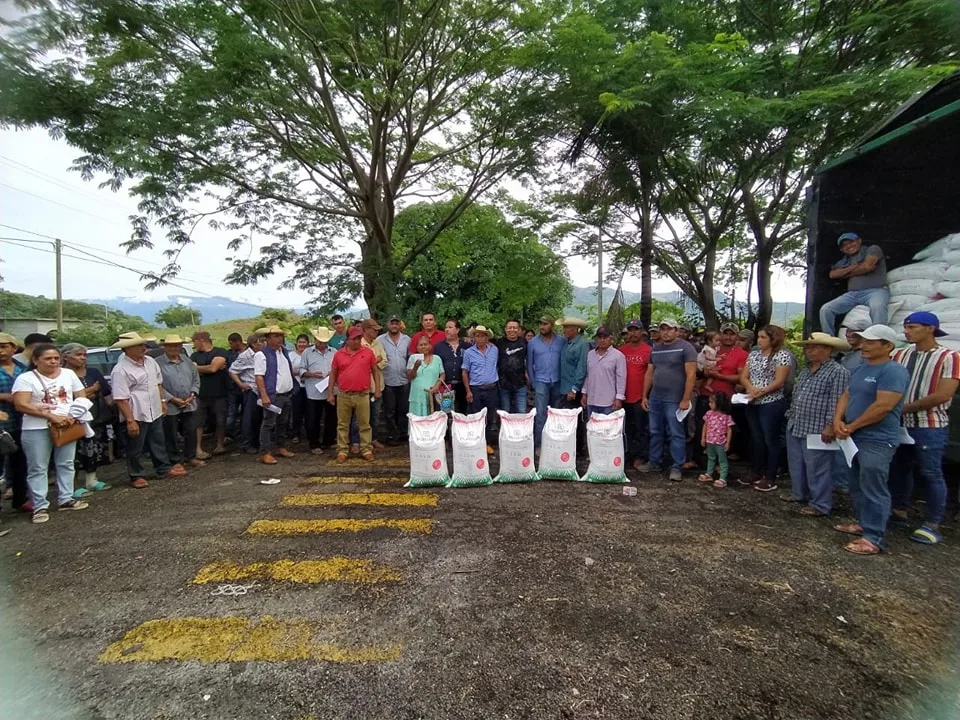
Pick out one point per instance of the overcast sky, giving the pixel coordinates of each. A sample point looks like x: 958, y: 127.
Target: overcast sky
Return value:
x: 38, y: 193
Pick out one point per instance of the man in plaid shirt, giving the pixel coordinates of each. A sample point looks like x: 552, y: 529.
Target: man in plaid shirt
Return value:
x: 934, y: 377
x: 15, y: 466
x: 815, y: 397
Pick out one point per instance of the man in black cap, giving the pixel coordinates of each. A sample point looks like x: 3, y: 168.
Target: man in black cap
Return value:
x: 865, y: 270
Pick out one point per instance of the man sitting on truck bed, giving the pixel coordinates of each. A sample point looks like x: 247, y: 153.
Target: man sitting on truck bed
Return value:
x: 866, y: 271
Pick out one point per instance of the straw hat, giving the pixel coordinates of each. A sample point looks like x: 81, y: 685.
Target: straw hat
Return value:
x: 574, y: 321
x: 821, y: 338
x: 271, y: 330
x: 323, y: 334
x: 7, y: 339
x: 172, y: 339
x: 128, y: 340
x: 481, y: 329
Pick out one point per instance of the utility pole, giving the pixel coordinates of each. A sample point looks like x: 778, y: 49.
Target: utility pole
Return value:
x: 58, y: 245
x: 599, y: 275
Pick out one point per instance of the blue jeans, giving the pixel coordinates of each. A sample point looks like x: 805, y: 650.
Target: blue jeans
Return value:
x: 545, y: 394
x: 841, y: 473
x: 663, y: 419
x: 766, y: 421
x: 37, y: 446
x: 599, y: 409
x: 514, y: 401
x: 926, y: 458
x: 811, y: 473
x: 869, y: 488
x: 375, y: 406
x: 877, y: 299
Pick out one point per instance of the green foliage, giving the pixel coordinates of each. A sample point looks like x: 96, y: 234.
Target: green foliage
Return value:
x: 661, y: 311
x: 269, y: 315
x: 177, y: 315
x: 483, y: 268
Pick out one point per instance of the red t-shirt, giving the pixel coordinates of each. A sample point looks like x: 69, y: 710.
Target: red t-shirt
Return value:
x: 729, y: 362
x: 353, y: 369
x: 437, y: 336
x: 638, y: 360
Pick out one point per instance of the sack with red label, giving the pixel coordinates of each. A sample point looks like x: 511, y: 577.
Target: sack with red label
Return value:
x: 428, y: 451
x: 516, y: 448
x: 471, y: 467
x: 558, y: 445
x: 605, y: 445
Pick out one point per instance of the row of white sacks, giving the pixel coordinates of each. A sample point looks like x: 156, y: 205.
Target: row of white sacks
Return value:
x: 558, y: 457
x: 932, y: 284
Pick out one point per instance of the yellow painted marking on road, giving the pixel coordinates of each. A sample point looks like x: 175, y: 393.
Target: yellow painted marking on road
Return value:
x: 335, y: 569
x: 384, y: 499
x: 236, y: 639
x: 339, y: 525
x: 354, y: 479
x: 360, y: 462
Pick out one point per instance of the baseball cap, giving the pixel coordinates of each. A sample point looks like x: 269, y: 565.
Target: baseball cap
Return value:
x: 879, y: 332
x: 370, y: 323
x: 668, y: 322
x: 731, y: 327
x: 847, y: 236
x: 7, y: 339
x: 354, y: 332
x: 602, y: 331
x: 925, y: 318
x: 635, y: 324
x: 393, y: 318
x: 548, y: 318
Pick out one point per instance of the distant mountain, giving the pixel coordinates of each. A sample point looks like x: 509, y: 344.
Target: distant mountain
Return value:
x: 212, y: 309
x: 783, y: 312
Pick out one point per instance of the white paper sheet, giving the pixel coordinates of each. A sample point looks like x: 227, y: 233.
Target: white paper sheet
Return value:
x: 905, y: 438
x: 815, y: 443
x: 740, y: 399
x: 682, y: 414
x: 270, y: 408
x: 323, y: 384
x: 849, y: 448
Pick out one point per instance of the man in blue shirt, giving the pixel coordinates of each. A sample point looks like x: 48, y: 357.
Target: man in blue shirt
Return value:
x: 869, y: 414
x: 14, y: 466
x: 543, y: 368
x: 480, y: 378
x: 573, y: 372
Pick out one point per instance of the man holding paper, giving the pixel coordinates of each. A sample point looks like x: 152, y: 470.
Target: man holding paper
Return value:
x: 315, y: 375
x: 934, y: 376
x: 273, y: 372
x: 868, y: 414
x: 810, y: 429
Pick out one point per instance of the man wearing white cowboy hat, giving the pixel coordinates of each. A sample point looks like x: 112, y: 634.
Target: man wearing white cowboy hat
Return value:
x: 241, y: 373
x: 481, y: 379
x: 815, y: 396
x: 274, y: 376
x: 181, y: 384
x: 573, y: 371
x: 138, y: 393
x: 314, y: 373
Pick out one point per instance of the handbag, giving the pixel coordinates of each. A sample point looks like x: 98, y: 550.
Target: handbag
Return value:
x: 62, y: 436
x: 8, y: 446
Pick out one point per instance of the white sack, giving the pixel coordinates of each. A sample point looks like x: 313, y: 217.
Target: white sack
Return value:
x: 605, y: 443
x: 907, y: 302
x: 918, y: 286
x: 917, y: 271
x: 952, y: 273
x: 558, y: 445
x: 516, y: 447
x: 936, y: 250
x: 470, y: 464
x: 428, y: 451
x: 949, y: 288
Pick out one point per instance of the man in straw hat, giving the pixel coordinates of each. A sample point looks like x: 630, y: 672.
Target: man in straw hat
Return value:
x: 181, y: 384
x: 573, y: 371
x: 869, y: 413
x: 242, y: 375
x: 15, y: 465
x: 815, y: 396
x: 320, y: 417
x: 934, y: 377
x: 543, y: 368
x: 138, y: 393
x: 481, y: 378
x: 350, y: 376
x: 274, y: 377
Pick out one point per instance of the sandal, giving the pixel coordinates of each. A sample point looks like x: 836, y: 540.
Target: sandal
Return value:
x: 139, y: 483
x: 720, y: 483
x: 80, y: 492
x: 99, y: 486
x: 341, y: 458
x: 201, y: 455
x: 812, y: 512
x: 791, y: 498
x: 926, y: 535
x: 849, y: 528
x: 73, y: 505
x: 40, y: 516
x: 368, y: 456
x: 862, y: 546
x: 704, y: 478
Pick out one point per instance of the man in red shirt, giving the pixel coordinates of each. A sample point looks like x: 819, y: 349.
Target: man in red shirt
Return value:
x: 637, y: 353
x: 350, y: 374
x: 428, y: 324
x: 730, y: 361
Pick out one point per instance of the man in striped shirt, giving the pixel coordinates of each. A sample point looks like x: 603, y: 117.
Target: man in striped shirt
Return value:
x: 934, y: 377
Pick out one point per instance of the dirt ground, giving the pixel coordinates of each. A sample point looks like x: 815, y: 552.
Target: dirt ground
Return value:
x: 548, y: 600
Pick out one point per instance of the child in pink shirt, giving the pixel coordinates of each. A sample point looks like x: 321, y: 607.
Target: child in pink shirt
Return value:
x: 716, y: 436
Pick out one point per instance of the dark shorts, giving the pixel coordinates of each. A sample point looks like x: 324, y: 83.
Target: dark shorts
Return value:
x: 215, y: 405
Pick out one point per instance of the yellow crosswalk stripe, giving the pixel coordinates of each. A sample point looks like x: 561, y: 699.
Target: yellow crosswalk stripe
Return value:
x: 237, y: 639
x: 339, y: 525
x: 354, y: 479
x: 334, y: 569
x: 382, y: 499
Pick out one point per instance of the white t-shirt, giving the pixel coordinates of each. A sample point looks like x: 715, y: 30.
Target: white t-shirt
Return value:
x: 47, y: 391
x: 284, y: 378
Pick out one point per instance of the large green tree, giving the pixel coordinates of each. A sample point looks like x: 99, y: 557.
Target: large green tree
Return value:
x: 298, y: 127
x: 484, y: 268
x: 176, y: 315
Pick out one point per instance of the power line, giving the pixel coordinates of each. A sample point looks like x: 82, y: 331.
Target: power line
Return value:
x: 16, y: 165
x: 63, y: 205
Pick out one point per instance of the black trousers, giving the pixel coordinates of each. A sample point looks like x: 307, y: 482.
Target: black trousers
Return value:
x: 15, y: 471
x: 185, y: 424
x: 320, y: 418
x: 695, y: 451
x: 567, y: 404
x: 297, y: 418
x: 250, y: 425
x: 488, y: 398
x: 396, y: 402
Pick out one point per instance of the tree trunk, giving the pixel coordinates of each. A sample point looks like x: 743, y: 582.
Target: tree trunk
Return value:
x: 764, y: 285
x: 646, y: 259
x: 379, y: 279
